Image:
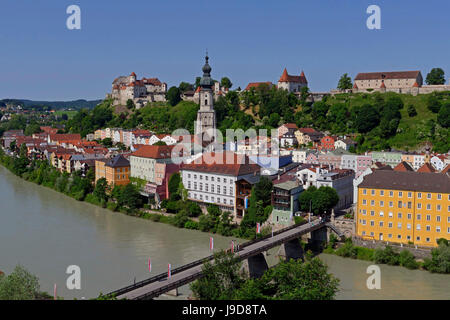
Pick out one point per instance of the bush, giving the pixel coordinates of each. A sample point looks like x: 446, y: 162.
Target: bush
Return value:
x: 386, y: 256
x: 348, y: 250
x: 299, y: 219
x: 155, y: 217
x: 112, y: 206
x: 406, y: 259
x: 191, y: 225
x: 364, y: 253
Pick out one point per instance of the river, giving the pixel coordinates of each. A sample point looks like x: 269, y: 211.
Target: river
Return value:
x: 46, y: 232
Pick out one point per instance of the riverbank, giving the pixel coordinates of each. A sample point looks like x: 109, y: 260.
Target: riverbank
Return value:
x: 120, y: 199
x: 438, y: 263
x: 45, y: 231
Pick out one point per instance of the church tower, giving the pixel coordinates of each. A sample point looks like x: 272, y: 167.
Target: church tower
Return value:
x: 206, y: 116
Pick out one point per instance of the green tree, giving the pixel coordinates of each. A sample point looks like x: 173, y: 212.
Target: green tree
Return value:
x: 173, y: 96
x: 367, y: 118
x: 174, y: 183
x: 436, y: 76
x: 130, y: 197
x: 19, y: 285
x: 263, y: 191
x: 433, y: 103
x: 226, y: 82
x: 444, y: 115
x: 130, y: 104
x: 411, y: 111
x: 185, y: 86
x: 101, y: 189
x: 440, y: 259
x: 345, y: 82
x: 220, y: 279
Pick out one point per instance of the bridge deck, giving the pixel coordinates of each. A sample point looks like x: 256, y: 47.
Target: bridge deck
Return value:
x: 161, y: 286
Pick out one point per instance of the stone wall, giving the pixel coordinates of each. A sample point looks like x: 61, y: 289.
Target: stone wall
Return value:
x: 419, y: 253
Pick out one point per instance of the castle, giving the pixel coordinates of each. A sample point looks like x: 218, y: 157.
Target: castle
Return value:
x: 140, y: 91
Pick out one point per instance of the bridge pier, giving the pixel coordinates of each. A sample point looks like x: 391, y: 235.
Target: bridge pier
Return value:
x: 173, y: 292
x: 319, y: 237
x: 255, y: 266
x: 291, y: 250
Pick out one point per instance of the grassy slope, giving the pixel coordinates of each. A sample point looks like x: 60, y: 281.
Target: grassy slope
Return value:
x: 412, y: 131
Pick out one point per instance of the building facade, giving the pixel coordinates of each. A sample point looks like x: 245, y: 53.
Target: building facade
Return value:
x: 404, y: 207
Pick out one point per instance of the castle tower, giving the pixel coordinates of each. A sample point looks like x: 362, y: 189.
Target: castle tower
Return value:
x: 206, y: 116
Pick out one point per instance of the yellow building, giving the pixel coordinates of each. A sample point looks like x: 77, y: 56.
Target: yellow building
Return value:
x: 116, y: 171
x: 404, y: 207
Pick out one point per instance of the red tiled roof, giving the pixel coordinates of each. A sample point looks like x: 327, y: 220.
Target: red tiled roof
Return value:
x: 290, y: 125
x: 257, y: 84
x: 403, y: 166
x: 154, y: 152
x: 387, y: 75
x: 227, y: 163
x: 153, y: 81
x: 426, y: 168
x: 65, y: 137
x: 285, y: 77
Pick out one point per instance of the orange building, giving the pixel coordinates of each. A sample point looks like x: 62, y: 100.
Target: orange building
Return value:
x: 404, y: 207
x: 116, y: 170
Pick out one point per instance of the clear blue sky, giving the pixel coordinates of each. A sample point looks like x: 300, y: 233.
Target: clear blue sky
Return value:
x: 247, y: 40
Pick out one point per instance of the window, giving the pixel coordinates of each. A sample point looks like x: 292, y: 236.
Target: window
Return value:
x: 390, y: 224
x: 418, y: 227
x: 189, y: 184
x: 409, y: 194
x: 391, y: 193
x: 212, y: 179
x: 212, y: 188
x: 381, y: 203
x: 408, y: 226
x: 419, y: 216
x: 439, y: 196
x: 372, y: 202
x: 381, y: 213
x: 419, y: 206
x: 399, y: 204
x: 372, y: 192
x: 390, y: 235
x: 399, y: 215
x: 364, y: 202
x: 438, y: 229
x: 409, y: 216
x: 372, y: 213
x: 399, y: 225
x: 419, y: 195
x: 189, y: 175
x: 218, y: 179
x: 418, y: 238
x: 429, y: 196
x: 391, y: 214
x: 381, y: 192
x: 372, y: 223
x: 391, y: 204
x: 428, y: 228
x: 409, y: 204
x: 428, y: 206
x: 400, y: 194
x: 381, y: 223
x: 399, y: 236
x: 364, y: 191
x: 438, y: 207
x: 201, y: 177
x: 428, y: 217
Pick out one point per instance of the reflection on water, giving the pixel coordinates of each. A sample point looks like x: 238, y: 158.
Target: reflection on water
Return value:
x: 46, y: 232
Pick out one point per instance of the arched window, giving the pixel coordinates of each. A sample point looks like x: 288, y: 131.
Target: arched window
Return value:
x: 206, y: 102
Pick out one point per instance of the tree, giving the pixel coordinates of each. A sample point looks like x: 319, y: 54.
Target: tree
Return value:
x: 19, y: 285
x: 263, y: 191
x: 64, y: 117
x: 130, y: 197
x: 173, y: 96
x: 220, y: 280
x: 444, y: 115
x: 100, y: 190
x: 367, y: 118
x: 184, y: 86
x: 433, y: 103
x: 345, y: 82
x: 320, y: 200
x: 411, y: 111
x: 226, y: 82
x: 440, y: 259
x: 436, y: 76
x: 295, y: 280
x: 174, y: 183
x: 107, y: 142
x: 160, y: 143
x: 130, y: 104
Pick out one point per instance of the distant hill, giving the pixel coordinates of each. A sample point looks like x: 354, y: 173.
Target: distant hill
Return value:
x: 75, y: 104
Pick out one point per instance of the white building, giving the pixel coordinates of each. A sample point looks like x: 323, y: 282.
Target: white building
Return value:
x: 211, y: 179
x: 143, y: 161
x: 292, y: 83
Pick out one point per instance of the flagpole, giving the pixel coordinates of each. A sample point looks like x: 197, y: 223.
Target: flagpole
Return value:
x: 54, y: 292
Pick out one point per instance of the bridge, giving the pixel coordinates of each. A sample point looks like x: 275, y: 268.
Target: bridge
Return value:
x: 251, y: 252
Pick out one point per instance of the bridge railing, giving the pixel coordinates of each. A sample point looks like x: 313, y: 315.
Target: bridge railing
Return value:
x: 195, y: 263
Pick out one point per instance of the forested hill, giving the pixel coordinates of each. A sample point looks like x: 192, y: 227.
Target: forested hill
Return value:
x: 55, y: 105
